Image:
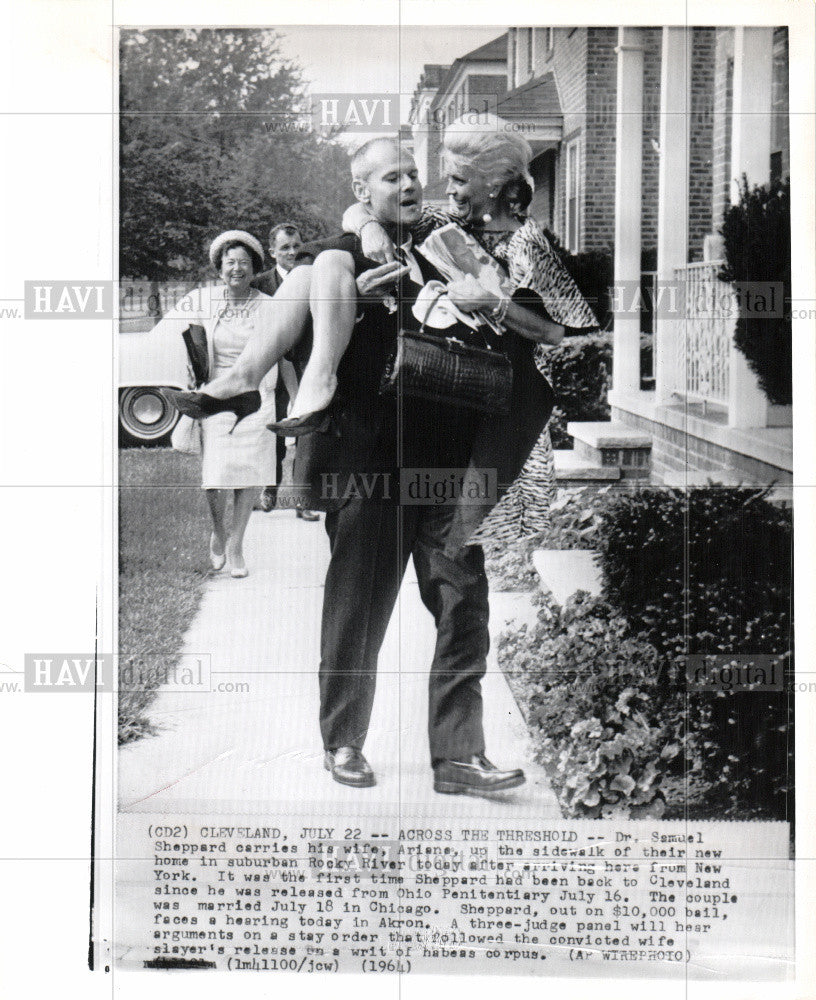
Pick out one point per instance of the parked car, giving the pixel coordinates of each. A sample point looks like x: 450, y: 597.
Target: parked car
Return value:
x: 147, y: 362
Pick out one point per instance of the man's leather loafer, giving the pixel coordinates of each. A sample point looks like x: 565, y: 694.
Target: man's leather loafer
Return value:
x: 474, y: 777
x: 349, y: 767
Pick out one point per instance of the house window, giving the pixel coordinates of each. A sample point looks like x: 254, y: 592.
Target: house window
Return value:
x: 530, y: 47
x: 543, y: 171
x: 573, y: 191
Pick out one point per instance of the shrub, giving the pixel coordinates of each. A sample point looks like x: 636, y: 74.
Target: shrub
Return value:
x: 581, y: 366
x: 601, y: 765
x: 579, y: 371
x: 756, y: 233
x: 574, y: 522
x: 509, y: 567
x: 700, y: 572
x: 620, y: 734
x: 710, y: 572
x: 574, y: 518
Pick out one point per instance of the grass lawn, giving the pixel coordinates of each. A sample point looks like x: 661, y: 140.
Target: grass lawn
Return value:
x: 164, y: 529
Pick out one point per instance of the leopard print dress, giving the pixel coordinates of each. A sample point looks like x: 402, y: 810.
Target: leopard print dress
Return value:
x: 530, y: 261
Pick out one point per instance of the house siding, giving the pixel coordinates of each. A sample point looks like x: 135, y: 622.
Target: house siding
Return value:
x: 584, y: 64
x: 599, y: 139
x: 721, y: 138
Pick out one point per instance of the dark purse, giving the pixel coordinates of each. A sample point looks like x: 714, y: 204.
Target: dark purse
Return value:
x: 195, y: 340
x: 448, y: 370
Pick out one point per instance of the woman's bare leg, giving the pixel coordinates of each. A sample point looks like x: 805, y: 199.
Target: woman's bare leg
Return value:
x: 217, y: 501
x: 334, y: 307
x: 241, y: 510
x: 268, y: 345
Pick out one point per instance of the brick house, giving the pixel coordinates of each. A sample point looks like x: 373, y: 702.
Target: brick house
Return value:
x: 637, y: 135
x: 558, y: 86
x: 706, y: 417
x: 569, y: 74
x: 475, y: 81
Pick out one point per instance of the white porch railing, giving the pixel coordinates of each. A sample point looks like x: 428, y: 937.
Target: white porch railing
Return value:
x: 703, y: 334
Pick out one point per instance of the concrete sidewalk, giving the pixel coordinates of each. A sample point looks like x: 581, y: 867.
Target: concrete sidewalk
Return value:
x: 256, y: 748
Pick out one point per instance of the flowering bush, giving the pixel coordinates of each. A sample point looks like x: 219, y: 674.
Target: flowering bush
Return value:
x: 607, y: 768
x: 602, y: 681
x: 587, y: 688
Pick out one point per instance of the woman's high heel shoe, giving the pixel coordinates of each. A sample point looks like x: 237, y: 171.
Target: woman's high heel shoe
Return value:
x: 317, y: 420
x: 217, y: 559
x: 199, y: 405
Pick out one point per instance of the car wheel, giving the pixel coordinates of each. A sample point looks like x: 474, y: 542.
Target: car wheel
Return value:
x: 145, y: 416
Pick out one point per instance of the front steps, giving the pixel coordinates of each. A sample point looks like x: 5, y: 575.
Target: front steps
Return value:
x: 610, y: 444
x: 572, y: 469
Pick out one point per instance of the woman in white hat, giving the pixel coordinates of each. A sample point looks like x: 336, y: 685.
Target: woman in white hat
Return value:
x: 238, y: 452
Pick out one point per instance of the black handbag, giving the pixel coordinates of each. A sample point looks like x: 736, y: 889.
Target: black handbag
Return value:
x: 448, y: 370
x: 195, y: 340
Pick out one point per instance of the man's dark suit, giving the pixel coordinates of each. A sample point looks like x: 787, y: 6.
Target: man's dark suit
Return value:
x: 372, y: 537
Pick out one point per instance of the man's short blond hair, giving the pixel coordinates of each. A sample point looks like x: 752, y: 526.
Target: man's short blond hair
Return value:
x: 362, y: 156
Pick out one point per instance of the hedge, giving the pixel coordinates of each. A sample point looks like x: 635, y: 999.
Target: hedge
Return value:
x: 580, y: 370
x: 702, y: 571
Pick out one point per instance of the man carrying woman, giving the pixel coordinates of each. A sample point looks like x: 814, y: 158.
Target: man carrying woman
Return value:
x: 357, y: 430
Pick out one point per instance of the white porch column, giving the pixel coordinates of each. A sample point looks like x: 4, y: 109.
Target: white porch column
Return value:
x: 628, y: 175
x: 672, y: 207
x: 750, y: 155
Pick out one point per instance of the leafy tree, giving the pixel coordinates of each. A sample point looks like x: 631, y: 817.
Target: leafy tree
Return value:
x: 212, y: 137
